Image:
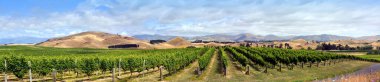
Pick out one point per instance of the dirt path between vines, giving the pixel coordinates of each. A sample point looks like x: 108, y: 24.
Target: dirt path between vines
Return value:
x: 211, y: 67
x: 188, y: 74
x: 126, y: 76
x: 150, y: 77
x: 234, y: 71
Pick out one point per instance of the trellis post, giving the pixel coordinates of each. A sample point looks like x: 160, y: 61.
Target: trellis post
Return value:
x: 143, y: 67
x: 119, y: 67
x: 30, y: 71
x: 113, y: 74
x: 161, y: 76
x: 54, y: 75
x: 5, y: 71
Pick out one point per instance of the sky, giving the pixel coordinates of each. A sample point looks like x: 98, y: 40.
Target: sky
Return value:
x: 56, y: 18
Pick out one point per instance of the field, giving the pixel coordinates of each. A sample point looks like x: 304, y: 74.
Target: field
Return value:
x: 356, y: 53
x: 376, y: 57
x: 185, y: 64
x: 362, y: 54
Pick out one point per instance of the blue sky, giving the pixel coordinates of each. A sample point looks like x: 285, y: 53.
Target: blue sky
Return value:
x: 55, y: 18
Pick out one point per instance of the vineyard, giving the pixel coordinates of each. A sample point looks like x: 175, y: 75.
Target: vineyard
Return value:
x: 55, y: 64
x: 42, y: 62
x: 272, y: 58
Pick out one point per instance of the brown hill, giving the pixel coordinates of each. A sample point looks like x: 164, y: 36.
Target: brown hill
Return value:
x: 302, y: 44
x: 375, y: 45
x: 179, y: 42
x: 93, y: 40
x: 299, y: 41
x: 370, y: 38
x: 351, y: 43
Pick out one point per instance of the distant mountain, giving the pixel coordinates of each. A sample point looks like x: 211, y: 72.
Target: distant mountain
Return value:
x: 249, y: 36
x: 369, y: 38
x: 153, y: 37
x: 323, y: 37
x: 21, y: 40
x: 239, y: 37
x: 218, y: 37
x: 274, y: 37
x: 215, y: 37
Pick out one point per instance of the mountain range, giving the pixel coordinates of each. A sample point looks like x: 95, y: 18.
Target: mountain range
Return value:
x: 324, y: 37
x: 154, y: 37
x: 21, y: 40
x: 215, y: 37
x: 249, y: 36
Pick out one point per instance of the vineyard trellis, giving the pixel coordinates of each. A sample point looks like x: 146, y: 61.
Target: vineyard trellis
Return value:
x: 275, y: 57
x: 223, y: 59
x: 204, y: 60
x: 87, y: 62
x: 171, y: 59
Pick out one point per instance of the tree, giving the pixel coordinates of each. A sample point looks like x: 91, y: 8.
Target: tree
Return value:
x: 347, y: 47
x: 280, y: 45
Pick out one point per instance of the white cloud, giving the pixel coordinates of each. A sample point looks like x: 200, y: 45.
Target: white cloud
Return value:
x: 201, y: 17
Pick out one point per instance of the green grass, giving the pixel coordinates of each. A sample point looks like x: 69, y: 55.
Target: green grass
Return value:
x: 296, y: 75
x: 376, y: 57
x: 309, y: 74
x: 351, y: 53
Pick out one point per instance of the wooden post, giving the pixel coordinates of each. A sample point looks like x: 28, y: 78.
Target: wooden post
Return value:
x: 161, y: 76
x: 224, y: 70
x: 334, y: 61
x: 143, y: 67
x: 76, y: 70
x: 113, y: 74
x: 247, y: 70
x: 310, y: 64
x: 30, y: 71
x: 54, y: 75
x: 317, y: 64
x: 266, y: 69
x: 5, y: 72
x: 119, y: 68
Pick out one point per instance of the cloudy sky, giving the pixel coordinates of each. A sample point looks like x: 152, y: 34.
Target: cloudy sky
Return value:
x: 54, y: 18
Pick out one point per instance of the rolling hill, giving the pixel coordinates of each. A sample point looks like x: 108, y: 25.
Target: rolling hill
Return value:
x: 153, y: 37
x: 179, y: 42
x: 93, y: 40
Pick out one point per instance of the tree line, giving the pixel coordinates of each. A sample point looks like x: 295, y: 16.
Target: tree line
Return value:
x: 329, y: 46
